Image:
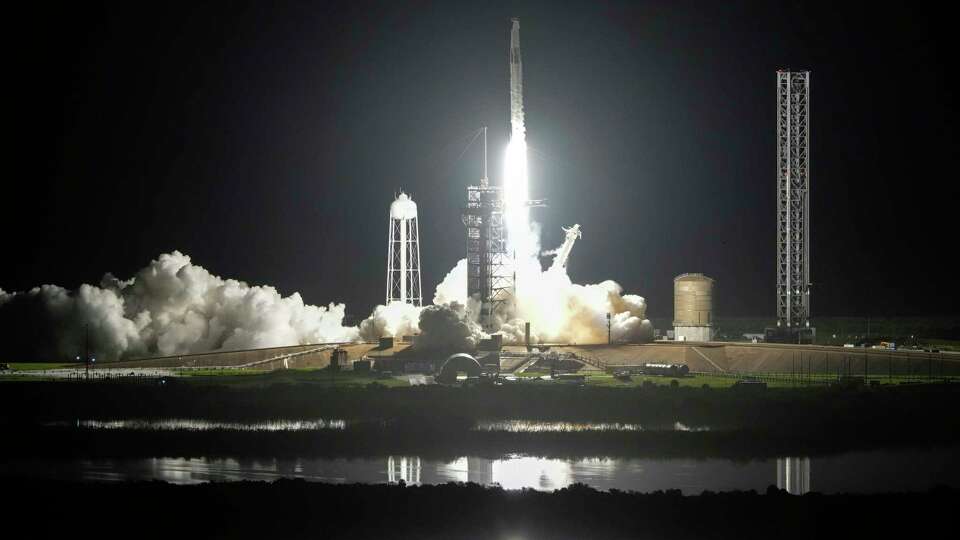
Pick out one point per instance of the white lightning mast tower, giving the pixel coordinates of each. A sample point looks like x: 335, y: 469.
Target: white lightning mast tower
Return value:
x: 403, y: 253
x: 793, y: 206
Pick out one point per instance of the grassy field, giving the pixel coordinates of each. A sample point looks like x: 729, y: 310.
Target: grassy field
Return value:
x: 322, y: 378
x: 317, y: 377
x: 233, y: 377
x: 39, y: 366
x: 773, y: 380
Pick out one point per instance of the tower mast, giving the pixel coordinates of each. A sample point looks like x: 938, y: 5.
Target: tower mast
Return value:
x: 793, y: 205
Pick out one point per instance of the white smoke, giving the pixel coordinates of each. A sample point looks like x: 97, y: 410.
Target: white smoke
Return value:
x: 173, y: 306
x: 393, y: 319
x: 170, y: 307
x: 453, y: 288
x: 558, y: 310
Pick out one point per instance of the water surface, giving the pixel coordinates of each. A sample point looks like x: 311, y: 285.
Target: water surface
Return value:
x: 856, y: 472
x: 512, y: 426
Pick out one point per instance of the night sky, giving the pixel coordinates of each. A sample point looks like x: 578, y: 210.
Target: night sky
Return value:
x: 267, y: 140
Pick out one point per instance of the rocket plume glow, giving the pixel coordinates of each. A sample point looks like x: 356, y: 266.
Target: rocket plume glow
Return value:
x: 515, y: 179
x: 557, y: 309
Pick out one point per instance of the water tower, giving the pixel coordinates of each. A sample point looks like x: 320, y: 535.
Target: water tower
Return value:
x: 693, y: 307
x: 403, y: 253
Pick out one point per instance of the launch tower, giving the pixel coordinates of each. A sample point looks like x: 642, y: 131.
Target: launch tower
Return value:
x: 489, y: 262
x: 793, y: 208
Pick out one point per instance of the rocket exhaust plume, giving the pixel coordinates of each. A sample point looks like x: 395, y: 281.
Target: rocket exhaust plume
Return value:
x: 515, y: 183
x: 558, y: 310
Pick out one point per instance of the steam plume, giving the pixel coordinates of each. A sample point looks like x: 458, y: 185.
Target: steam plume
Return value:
x: 171, y: 306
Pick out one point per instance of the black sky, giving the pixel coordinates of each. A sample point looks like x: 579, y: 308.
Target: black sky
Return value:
x: 267, y: 139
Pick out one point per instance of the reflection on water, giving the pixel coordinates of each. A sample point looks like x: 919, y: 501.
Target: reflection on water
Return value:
x: 538, y: 426
x: 534, y: 426
x: 187, y: 424
x: 853, y: 472
x: 513, y: 426
x: 403, y: 468
x: 793, y: 474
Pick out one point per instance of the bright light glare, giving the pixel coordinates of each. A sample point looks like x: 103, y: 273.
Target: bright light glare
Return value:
x: 516, y: 194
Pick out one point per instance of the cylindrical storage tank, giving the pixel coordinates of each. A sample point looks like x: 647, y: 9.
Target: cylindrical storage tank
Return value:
x: 692, y: 300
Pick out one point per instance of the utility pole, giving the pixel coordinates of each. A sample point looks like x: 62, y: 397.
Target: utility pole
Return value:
x: 86, y: 349
x: 609, y: 341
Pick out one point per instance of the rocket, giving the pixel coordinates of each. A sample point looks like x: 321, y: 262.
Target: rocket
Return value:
x: 516, y: 83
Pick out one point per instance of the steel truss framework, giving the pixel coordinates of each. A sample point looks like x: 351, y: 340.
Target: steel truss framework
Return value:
x: 489, y: 264
x: 403, y: 262
x: 793, y: 199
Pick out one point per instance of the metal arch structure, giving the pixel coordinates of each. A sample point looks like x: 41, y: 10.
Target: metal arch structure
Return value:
x: 458, y: 362
x: 793, y: 199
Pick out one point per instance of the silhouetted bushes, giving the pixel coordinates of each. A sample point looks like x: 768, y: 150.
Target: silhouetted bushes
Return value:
x: 298, y: 509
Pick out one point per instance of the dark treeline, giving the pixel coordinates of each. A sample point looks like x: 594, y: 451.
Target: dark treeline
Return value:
x: 298, y: 509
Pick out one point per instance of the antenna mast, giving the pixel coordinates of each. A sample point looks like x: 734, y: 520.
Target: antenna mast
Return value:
x: 484, y: 182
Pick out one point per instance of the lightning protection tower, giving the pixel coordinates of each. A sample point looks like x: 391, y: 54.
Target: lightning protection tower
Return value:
x: 793, y: 206
x: 403, y: 253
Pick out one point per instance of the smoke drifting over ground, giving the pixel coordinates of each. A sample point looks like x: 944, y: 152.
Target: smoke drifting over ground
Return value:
x: 448, y: 327
x: 560, y: 311
x: 394, y: 319
x: 173, y: 306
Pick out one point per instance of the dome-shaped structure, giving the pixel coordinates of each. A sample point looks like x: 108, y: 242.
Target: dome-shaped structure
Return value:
x: 457, y: 363
x: 403, y: 207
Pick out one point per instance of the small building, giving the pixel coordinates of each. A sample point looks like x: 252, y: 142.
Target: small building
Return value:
x: 338, y: 358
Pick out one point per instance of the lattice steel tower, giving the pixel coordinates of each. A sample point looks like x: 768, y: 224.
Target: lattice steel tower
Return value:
x: 793, y: 199
x: 489, y: 262
x: 403, y: 253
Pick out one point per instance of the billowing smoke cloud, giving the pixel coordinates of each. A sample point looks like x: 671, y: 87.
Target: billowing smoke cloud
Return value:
x: 558, y: 310
x: 173, y: 306
x: 453, y: 288
x: 170, y: 307
x: 394, y: 319
x: 448, y: 327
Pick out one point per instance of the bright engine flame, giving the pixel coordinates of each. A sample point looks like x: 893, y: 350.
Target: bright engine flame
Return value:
x: 516, y: 194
